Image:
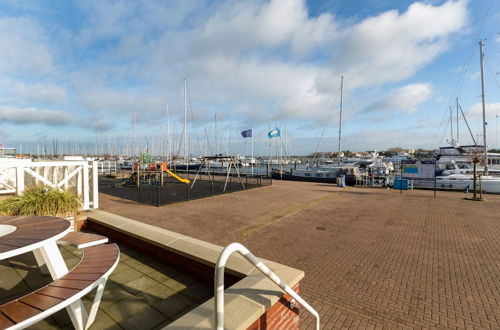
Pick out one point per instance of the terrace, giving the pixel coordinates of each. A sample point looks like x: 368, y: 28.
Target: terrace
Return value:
x: 372, y: 258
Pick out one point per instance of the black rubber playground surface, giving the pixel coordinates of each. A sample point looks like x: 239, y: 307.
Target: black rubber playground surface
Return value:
x: 174, y: 191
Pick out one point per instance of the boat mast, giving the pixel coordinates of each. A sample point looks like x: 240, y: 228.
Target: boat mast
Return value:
x: 451, y: 127
x: 135, y: 134
x: 185, y: 125
x: 458, y: 132
x: 215, y: 132
x: 340, y: 117
x: 481, y: 57
x: 169, y: 142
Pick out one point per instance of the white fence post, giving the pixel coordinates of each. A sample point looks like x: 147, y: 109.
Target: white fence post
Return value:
x: 95, y: 185
x: 19, y: 180
x: 86, y: 187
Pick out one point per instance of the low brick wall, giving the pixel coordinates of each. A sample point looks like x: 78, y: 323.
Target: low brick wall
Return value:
x: 281, y: 315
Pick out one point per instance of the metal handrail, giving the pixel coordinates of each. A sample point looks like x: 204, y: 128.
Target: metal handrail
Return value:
x: 219, y: 282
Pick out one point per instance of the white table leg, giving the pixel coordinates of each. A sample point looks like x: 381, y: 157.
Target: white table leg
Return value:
x: 41, y: 262
x: 78, y: 314
x: 57, y: 268
x: 53, y: 259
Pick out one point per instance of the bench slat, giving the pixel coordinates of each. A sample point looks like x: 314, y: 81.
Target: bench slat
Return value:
x: 40, y: 301
x: 94, y: 251
x: 83, y: 240
x: 82, y: 277
x: 90, y: 270
x: 98, y: 258
x: 102, y: 263
x: 5, y: 322
x: 57, y: 292
x: 72, y: 284
x: 18, y: 312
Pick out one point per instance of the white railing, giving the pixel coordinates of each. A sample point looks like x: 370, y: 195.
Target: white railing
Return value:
x: 107, y: 167
x: 79, y: 176
x: 219, y: 282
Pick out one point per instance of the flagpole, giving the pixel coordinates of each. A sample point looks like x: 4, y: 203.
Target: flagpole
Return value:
x: 270, y: 149
x: 281, y: 152
x: 252, y: 150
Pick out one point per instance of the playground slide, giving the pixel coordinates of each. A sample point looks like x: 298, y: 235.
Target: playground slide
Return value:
x: 176, y: 176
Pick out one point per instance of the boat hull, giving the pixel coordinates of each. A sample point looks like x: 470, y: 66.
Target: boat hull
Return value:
x: 287, y: 176
x: 190, y: 167
x: 488, y: 186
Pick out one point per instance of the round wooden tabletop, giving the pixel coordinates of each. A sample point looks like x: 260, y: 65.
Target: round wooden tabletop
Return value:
x: 21, y: 234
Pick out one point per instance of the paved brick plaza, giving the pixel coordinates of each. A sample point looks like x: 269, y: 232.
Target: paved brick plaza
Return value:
x: 373, y: 258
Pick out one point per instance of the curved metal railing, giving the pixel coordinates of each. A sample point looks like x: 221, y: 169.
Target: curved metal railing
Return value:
x: 219, y: 282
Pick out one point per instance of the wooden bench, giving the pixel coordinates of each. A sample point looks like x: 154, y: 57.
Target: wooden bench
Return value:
x: 92, y: 272
x: 82, y: 240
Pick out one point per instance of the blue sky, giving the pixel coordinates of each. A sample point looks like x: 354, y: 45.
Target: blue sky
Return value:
x: 78, y: 71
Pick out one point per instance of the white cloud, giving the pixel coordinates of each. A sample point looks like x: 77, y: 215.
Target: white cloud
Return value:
x: 23, y: 47
x: 391, y: 46
x: 257, y: 60
x: 239, y: 26
x: 383, y: 139
x: 406, y: 98
x: 475, y: 112
x: 37, y: 92
x: 23, y: 116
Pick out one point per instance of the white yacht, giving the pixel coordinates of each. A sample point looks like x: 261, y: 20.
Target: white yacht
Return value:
x: 462, y: 155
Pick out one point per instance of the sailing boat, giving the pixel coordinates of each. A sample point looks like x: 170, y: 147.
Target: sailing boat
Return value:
x: 458, y: 177
x: 186, y: 164
x: 323, y: 174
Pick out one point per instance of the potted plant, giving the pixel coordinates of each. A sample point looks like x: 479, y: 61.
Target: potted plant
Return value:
x: 41, y: 200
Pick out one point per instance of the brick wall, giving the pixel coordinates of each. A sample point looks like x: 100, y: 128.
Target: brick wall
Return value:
x: 280, y: 315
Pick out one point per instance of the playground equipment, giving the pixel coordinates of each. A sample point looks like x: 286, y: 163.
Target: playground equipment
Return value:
x: 152, y: 174
x: 229, y: 160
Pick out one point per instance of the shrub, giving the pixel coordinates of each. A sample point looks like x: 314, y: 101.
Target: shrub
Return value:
x: 41, y: 200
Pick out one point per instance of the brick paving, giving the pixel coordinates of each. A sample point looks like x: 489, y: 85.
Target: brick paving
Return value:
x: 373, y: 258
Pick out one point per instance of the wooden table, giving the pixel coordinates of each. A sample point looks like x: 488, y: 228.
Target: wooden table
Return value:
x: 39, y: 234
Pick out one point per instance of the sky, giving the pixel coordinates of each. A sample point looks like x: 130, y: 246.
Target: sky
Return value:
x: 111, y: 73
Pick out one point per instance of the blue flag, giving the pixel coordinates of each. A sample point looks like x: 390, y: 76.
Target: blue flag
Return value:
x: 274, y: 133
x: 247, y: 133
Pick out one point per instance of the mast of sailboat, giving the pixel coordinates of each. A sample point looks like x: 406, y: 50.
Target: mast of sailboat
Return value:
x: 135, y: 134
x: 451, y: 126
x: 185, y: 126
x: 215, y: 132
x: 340, y: 116
x: 466, y: 122
x: 458, y: 132
x: 169, y: 142
x: 481, y: 58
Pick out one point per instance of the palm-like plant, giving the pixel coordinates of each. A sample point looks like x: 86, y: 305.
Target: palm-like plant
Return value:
x: 41, y: 200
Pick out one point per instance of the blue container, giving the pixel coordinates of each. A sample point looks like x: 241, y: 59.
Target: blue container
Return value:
x: 401, y: 184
